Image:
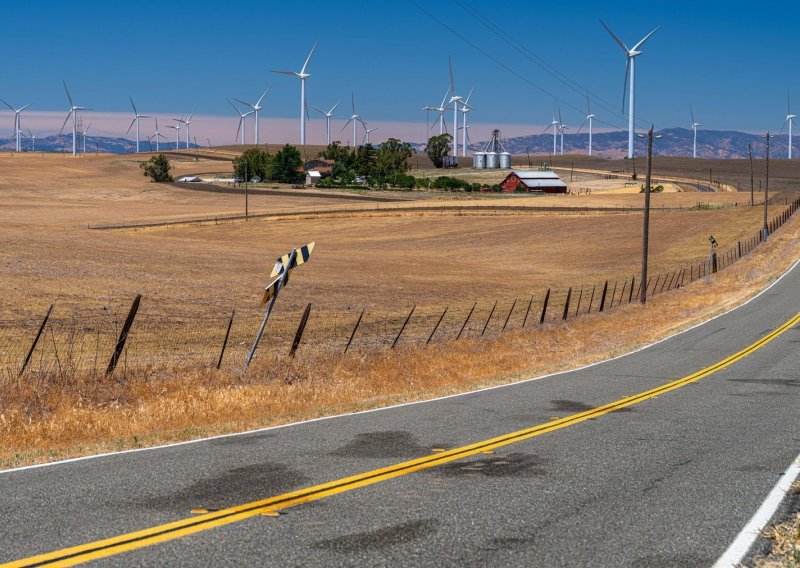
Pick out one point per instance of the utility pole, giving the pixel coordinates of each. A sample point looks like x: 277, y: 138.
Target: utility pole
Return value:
x: 752, y: 185
x: 246, y: 212
x: 646, y: 227
x: 766, y: 189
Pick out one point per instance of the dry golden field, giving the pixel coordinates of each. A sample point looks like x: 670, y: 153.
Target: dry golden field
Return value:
x: 192, y: 277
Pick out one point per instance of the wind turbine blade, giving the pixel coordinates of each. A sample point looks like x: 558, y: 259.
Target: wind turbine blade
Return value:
x: 782, y: 127
x: 444, y: 99
x: 134, y: 106
x: 8, y: 105
x: 234, y: 107
x: 469, y: 96
x: 549, y: 126
x: 582, y: 125
x: 244, y: 103
x: 560, y: 122
x: 303, y: 70
x: 644, y: 39
x: 316, y: 109
x: 264, y: 95
x: 588, y: 104
x: 452, y: 83
x: 691, y: 111
x: 788, y: 102
x: 346, y: 124
x: 131, y: 126
x: 26, y: 106
x: 190, y: 116
x: 65, y: 121
x: 619, y: 41
x: 290, y: 73
x: 353, y: 100
x: 87, y: 128
x: 69, y: 98
x: 334, y: 106
x: 625, y: 84
x: 156, y: 119
x: 239, y: 128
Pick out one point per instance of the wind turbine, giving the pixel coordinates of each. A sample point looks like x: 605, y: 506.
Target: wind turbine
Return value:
x: 256, y: 107
x: 137, y: 116
x: 441, y: 109
x: 302, y: 75
x: 73, y: 111
x: 695, y: 124
x: 630, y: 65
x: 17, y: 124
x: 465, y: 108
x: 790, y: 120
x: 84, y: 137
x: 32, y: 136
x: 454, y: 100
x: 177, y: 128
x: 327, y: 116
x: 561, y: 128
x: 589, y: 118
x: 242, y: 116
x: 188, y: 123
x: 157, y: 134
x: 354, y: 119
x: 554, y: 124
x: 367, y: 132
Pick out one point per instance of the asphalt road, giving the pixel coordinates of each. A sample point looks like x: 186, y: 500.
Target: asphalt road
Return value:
x: 668, y: 481
x: 699, y: 186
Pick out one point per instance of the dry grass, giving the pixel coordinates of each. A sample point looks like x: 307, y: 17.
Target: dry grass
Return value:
x: 785, y: 545
x: 61, y: 414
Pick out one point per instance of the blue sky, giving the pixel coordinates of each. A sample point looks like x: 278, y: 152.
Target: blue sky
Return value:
x: 733, y: 61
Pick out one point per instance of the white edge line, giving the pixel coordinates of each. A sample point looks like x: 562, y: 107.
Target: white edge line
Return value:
x: 401, y: 405
x: 739, y: 548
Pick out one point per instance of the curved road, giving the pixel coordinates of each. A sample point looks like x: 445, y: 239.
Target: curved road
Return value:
x: 667, y: 478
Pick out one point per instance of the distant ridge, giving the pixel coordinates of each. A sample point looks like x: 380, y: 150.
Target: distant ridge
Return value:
x: 711, y: 144
x: 101, y: 144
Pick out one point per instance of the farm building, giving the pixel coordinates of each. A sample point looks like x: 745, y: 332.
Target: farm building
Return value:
x: 535, y: 180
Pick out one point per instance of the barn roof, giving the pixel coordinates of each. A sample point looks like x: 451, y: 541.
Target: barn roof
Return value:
x: 536, y: 174
x: 535, y: 178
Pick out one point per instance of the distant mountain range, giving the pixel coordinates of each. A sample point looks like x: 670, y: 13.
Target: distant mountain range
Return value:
x: 101, y: 144
x: 711, y: 144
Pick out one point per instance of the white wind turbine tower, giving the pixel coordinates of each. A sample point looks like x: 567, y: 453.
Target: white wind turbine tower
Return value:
x: 790, y: 121
x: 17, y: 124
x: 454, y: 100
x: 137, y: 116
x: 256, y: 107
x: 32, y: 136
x: 157, y: 134
x: 589, y: 118
x: 188, y: 123
x: 465, y: 108
x: 695, y: 124
x: 367, y: 132
x: 561, y: 128
x: 242, y: 124
x: 327, y: 116
x: 630, y: 68
x: 355, y: 119
x: 73, y: 111
x: 302, y: 75
x: 554, y: 124
x: 177, y: 128
x: 84, y: 137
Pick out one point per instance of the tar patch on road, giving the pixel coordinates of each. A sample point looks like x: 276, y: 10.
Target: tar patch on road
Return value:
x: 379, y: 538
x: 230, y: 488
x: 562, y: 405
x: 776, y: 382
x: 387, y: 444
x: 511, y: 465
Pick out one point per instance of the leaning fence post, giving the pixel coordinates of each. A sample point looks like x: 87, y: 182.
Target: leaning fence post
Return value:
x: 36, y: 339
x: 603, y: 297
x: 580, y: 297
x: 566, y: 304
x: 630, y: 294
x: 613, y: 294
x: 525, y: 320
x: 225, y: 341
x: 300, y: 329
x: 437, y: 325
x: 544, y: 306
x: 352, y: 335
x: 489, y: 318
x: 511, y: 311
x: 466, y: 321
x: 591, y: 298
x: 123, y: 335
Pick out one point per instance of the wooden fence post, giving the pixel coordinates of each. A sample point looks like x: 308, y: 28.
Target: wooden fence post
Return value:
x: 591, y: 298
x: 613, y: 294
x: 352, y: 335
x: 566, y: 304
x: 525, y: 320
x: 633, y: 282
x: 225, y: 341
x: 123, y: 336
x: 544, y: 307
x: 489, y: 318
x: 300, y: 329
x: 36, y: 340
x: 603, y: 297
x: 466, y: 321
x: 405, y: 323
x: 437, y: 325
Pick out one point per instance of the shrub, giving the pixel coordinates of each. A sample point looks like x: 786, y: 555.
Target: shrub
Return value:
x: 157, y: 169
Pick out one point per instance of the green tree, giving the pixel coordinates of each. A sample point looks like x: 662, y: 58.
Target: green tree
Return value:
x: 438, y: 148
x: 252, y: 162
x: 392, y: 158
x: 157, y: 168
x: 365, y: 160
x: 336, y: 152
x: 286, y: 166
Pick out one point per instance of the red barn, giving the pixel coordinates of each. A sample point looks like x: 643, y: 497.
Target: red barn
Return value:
x: 535, y: 181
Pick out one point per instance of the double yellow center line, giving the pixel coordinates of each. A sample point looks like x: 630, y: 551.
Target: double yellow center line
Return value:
x: 170, y: 531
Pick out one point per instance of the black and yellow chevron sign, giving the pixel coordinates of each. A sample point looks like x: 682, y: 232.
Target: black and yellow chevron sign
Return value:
x: 270, y: 291
x: 302, y: 256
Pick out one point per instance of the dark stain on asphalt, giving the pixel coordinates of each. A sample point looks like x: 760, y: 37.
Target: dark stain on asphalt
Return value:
x: 387, y: 444
x: 246, y: 440
x: 562, y: 405
x: 380, y: 538
x: 232, y: 487
x: 511, y: 465
x: 777, y: 382
x: 687, y: 560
